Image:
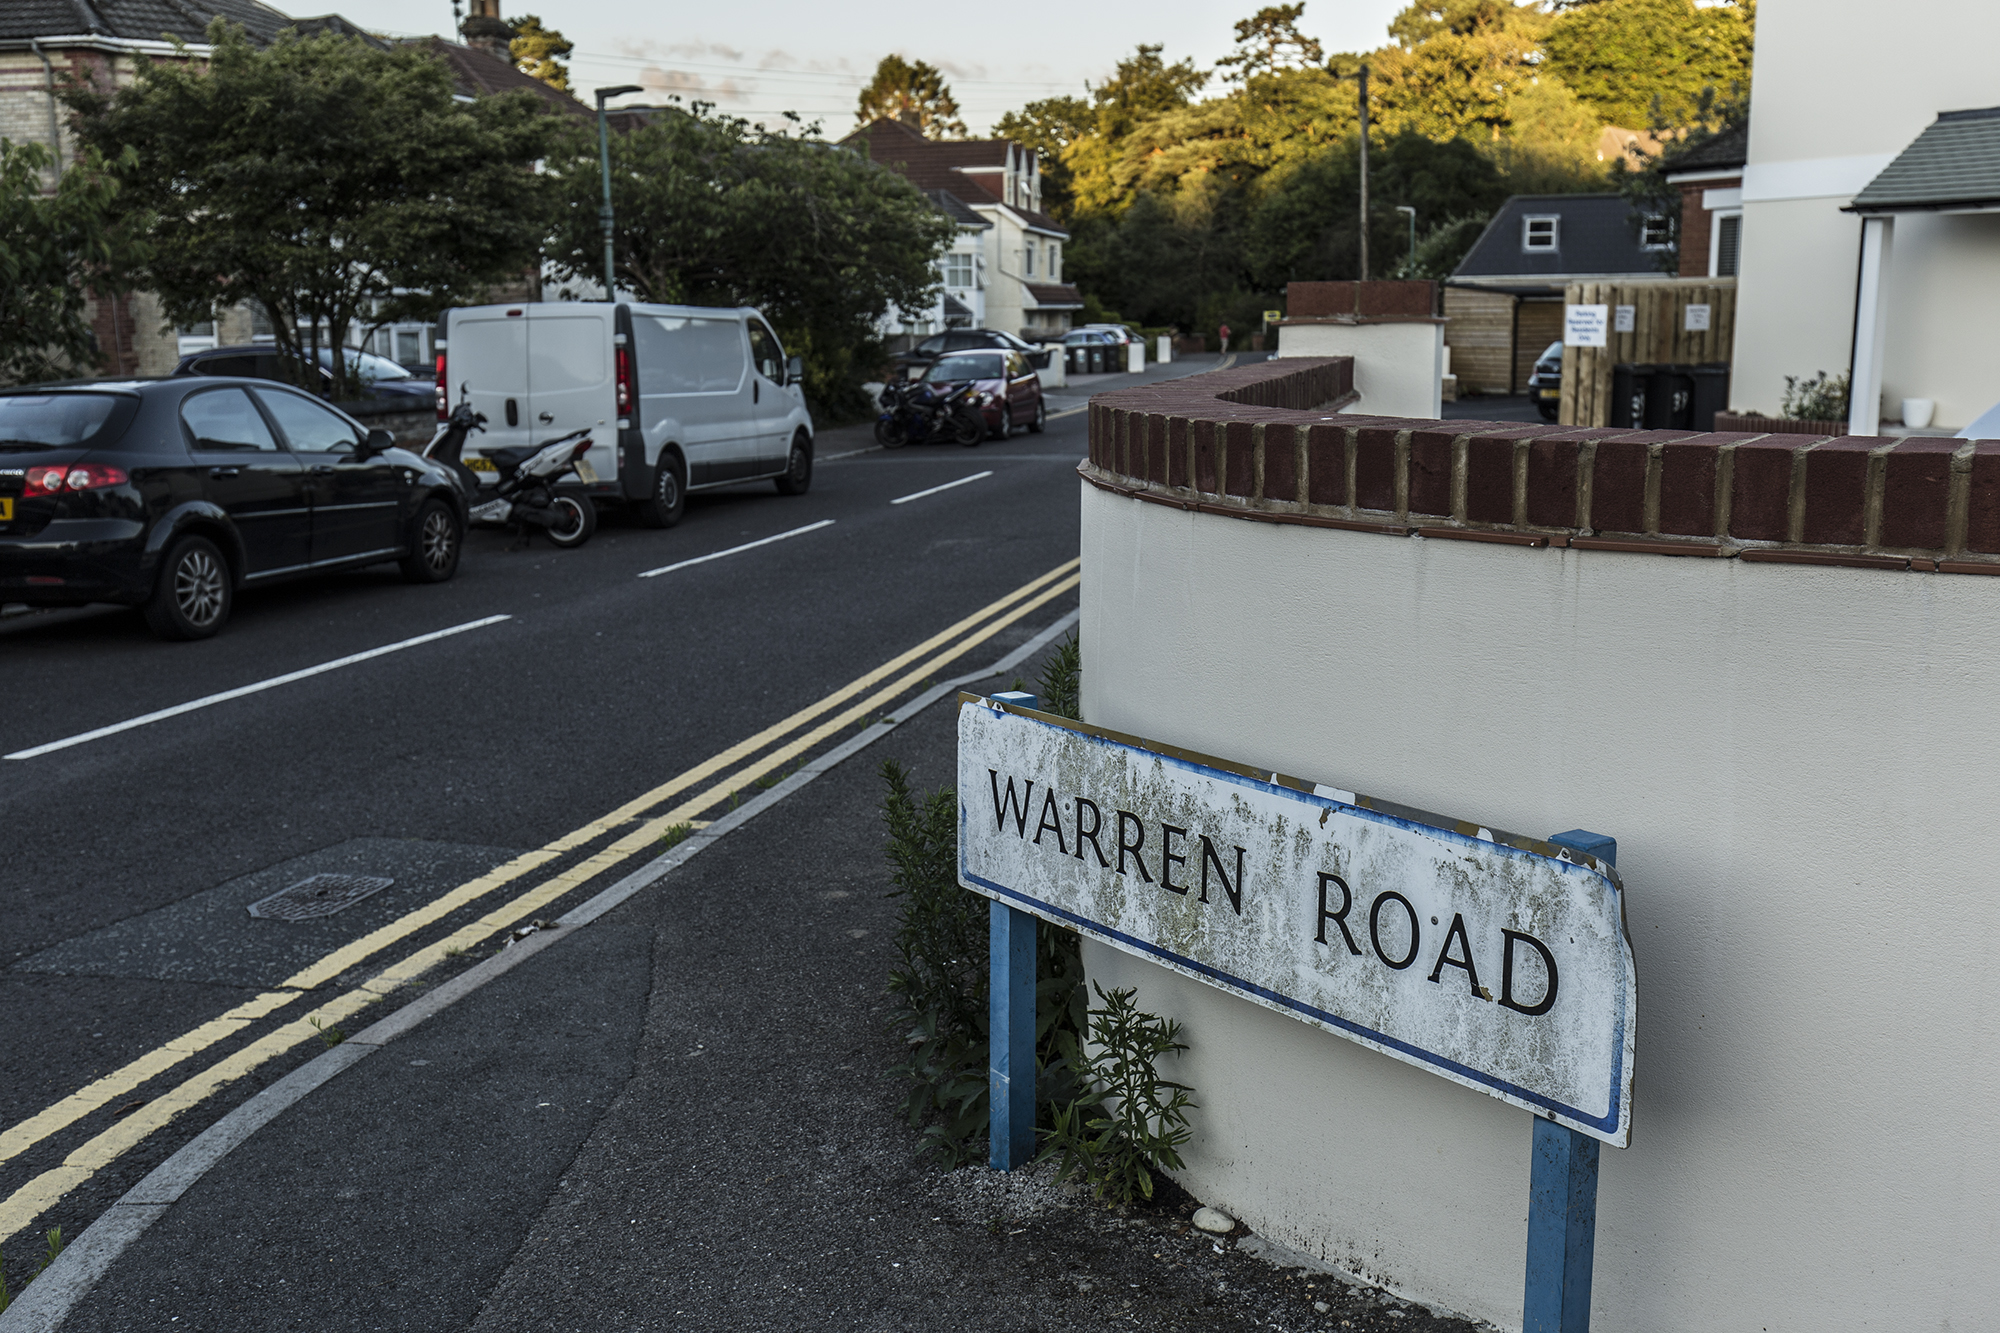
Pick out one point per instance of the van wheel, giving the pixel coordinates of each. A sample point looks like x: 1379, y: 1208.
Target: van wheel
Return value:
x: 798, y: 468
x: 192, y: 597
x: 668, y: 502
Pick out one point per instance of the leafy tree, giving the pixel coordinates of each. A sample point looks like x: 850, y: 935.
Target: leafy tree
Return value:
x: 538, y: 51
x: 334, y: 183
x: 914, y: 92
x: 712, y: 210
x: 1269, y: 41
x: 1641, y: 62
x: 1143, y: 86
x: 1645, y: 185
x: 54, y: 248
x: 1306, y: 226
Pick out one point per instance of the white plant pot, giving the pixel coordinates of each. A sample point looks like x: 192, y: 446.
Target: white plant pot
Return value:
x: 1917, y: 412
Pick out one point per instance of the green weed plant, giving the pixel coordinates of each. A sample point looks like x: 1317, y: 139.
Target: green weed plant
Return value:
x: 1128, y: 1123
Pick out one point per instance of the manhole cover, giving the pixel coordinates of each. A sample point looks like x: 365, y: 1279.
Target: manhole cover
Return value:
x: 319, y: 895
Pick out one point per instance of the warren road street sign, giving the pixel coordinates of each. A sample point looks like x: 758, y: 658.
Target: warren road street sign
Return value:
x: 1496, y: 961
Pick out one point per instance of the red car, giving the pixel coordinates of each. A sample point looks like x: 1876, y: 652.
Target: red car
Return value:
x: 1010, y: 392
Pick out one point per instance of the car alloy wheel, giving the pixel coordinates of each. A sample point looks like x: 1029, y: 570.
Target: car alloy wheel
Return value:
x: 199, y: 580
x: 438, y: 540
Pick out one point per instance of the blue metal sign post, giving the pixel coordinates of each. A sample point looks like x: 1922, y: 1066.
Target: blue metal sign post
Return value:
x: 1011, y: 1023
x: 1562, y: 1193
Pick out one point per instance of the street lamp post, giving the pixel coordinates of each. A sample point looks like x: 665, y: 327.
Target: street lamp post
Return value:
x: 604, y: 158
x: 1410, y: 260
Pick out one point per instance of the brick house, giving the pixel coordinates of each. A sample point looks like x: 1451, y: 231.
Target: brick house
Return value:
x: 1015, y: 250
x: 1710, y: 179
x: 46, y: 43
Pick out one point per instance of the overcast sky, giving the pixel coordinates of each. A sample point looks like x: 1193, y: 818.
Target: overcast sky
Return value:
x: 765, y: 58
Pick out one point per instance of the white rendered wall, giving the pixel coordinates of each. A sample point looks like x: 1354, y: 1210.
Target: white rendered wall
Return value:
x: 1398, y: 367
x: 1798, y: 765
x: 1839, y: 88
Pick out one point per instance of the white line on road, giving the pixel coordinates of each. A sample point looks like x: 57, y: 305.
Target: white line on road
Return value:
x: 261, y: 685
x: 918, y: 495
x: 746, y: 546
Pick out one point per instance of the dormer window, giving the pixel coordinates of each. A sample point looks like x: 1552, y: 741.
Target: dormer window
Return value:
x: 1540, y: 233
x: 1656, y: 233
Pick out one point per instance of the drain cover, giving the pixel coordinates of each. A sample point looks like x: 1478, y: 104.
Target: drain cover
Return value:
x: 319, y: 895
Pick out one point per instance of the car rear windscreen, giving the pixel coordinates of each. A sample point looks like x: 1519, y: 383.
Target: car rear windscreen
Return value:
x: 967, y: 366
x: 52, y: 420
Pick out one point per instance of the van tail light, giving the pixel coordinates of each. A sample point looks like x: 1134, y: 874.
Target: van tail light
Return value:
x: 625, y: 394
x: 71, y: 477
x: 443, y: 397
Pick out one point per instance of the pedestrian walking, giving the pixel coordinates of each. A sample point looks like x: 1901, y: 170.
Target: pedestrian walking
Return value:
x: 1225, y: 337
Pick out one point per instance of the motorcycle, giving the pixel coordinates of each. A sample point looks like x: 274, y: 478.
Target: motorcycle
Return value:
x: 920, y: 412
x: 526, y: 498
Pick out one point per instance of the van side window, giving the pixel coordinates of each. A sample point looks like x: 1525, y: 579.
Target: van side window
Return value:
x: 684, y: 354
x: 764, y: 350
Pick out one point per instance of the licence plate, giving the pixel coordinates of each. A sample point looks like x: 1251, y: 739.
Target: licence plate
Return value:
x: 478, y: 464
x: 585, y: 472
x: 6, y: 509
x: 1552, y: 393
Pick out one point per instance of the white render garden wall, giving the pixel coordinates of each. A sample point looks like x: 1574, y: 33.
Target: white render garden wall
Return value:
x: 1799, y: 765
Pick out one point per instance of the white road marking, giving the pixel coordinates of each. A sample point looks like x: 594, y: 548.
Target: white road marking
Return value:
x: 918, y: 495
x: 261, y: 685
x: 851, y: 453
x: 746, y: 546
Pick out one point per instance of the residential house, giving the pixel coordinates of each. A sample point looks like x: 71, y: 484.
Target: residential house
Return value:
x: 1871, y: 211
x: 1018, y: 254
x: 1710, y: 180
x: 1503, y: 304
x: 46, y: 43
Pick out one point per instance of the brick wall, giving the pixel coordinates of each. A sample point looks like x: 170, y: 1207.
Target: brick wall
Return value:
x: 1267, y: 442
x: 1695, y: 224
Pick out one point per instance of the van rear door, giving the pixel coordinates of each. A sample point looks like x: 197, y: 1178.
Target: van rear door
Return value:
x: 486, y: 360
x: 570, y: 370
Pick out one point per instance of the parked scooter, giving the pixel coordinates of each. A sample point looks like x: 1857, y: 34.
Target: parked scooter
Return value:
x: 918, y: 412
x: 526, y: 500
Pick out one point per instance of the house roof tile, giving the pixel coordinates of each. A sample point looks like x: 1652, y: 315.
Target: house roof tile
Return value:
x: 1056, y: 295
x: 1729, y: 149
x: 1597, y: 237
x: 478, y: 73
x: 1954, y: 163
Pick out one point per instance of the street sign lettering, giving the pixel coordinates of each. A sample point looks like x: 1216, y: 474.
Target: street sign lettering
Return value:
x: 1586, y: 325
x: 1499, y: 963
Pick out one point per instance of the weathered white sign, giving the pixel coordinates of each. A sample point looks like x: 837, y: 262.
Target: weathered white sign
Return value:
x: 1697, y: 319
x: 1624, y: 318
x: 1586, y: 325
x: 1497, y: 962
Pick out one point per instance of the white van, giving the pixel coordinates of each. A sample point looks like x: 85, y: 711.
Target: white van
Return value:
x: 682, y: 398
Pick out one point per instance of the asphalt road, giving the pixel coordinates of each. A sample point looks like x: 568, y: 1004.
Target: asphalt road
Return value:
x: 135, y: 855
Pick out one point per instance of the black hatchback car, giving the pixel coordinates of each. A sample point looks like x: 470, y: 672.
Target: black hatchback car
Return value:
x: 914, y: 361
x: 171, y: 494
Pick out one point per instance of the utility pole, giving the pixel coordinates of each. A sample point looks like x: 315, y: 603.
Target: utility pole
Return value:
x: 1364, y: 174
x: 604, y: 159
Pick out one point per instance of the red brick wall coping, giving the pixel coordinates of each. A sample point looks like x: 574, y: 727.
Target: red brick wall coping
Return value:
x: 1267, y: 442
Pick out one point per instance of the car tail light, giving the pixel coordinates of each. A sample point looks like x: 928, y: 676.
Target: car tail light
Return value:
x: 71, y: 477
x: 443, y: 396
x: 625, y: 382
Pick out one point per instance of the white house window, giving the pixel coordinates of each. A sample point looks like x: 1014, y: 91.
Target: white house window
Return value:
x: 1725, y: 244
x: 1055, y: 262
x: 958, y: 271
x: 1540, y: 234
x: 1656, y: 234
x: 1030, y: 270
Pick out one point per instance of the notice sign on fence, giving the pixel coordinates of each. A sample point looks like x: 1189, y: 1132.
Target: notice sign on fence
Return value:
x: 1497, y: 962
x: 1586, y: 325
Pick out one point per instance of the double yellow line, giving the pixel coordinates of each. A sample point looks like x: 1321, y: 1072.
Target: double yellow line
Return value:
x: 860, y: 698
